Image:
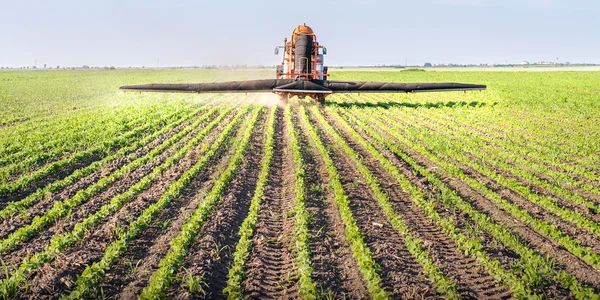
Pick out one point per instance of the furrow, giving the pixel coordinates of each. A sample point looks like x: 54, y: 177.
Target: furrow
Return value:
x: 164, y: 276
x: 335, y: 271
x: 378, y: 250
x: 472, y: 280
x: 203, y: 273
x: 270, y: 265
x: 65, y: 207
x: 81, y: 230
x: 478, y: 203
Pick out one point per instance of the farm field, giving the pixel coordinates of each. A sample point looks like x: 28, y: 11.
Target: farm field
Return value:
x: 492, y: 194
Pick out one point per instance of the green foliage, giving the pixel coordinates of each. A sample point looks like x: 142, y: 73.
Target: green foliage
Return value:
x: 414, y: 245
x: 236, y: 273
x: 362, y: 254
x: 308, y: 289
x: 536, y: 134
x: 162, y: 278
x: 534, y: 263
x: 63, y: 208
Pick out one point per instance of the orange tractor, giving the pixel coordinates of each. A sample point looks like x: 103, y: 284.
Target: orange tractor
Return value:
x: 302, y: 73
x: 303, y: 58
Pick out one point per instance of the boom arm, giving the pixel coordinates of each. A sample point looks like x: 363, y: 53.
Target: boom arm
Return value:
x: 395, y: 87
x: 265, y: 85
x: 301, y: 86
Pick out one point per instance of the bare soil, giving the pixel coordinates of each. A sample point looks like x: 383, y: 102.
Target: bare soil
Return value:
x: 473, y: 282
x: 62, y: 272
x: 402, y: 275
x: 334, y: 270
x: 270, y: 272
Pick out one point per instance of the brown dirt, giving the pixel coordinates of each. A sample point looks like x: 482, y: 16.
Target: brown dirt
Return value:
x: 540, y: 243
x: 401, y: 274
x: 270, y: 269
x: 130, y: 273
x: 61, y: 273
x: 41, y: 239
x: 334, y: 270
x: 583, y: 236
x: 473, y: 281
x: 270, y: 266
x: 10, y: 224
x: 211, y: 254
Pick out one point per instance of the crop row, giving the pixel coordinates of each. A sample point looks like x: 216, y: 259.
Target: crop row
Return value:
x: 18, y: 206
x: 549, y: 143
x: 536, y: 267
x: 439, y: 147
x: 84, y: 156
x: 31, y: 139
x: 415, y: 246
x: 506, y: 161
x: 60, y: 242
x: 482, y: 165
x: 560, y: 173
x: 33, y: 156
x: 64, y: 207
x: 162, y: 278
x: 308, y: 288
x: 360, y: 251
x: 46, y: 149
x: 470, y: 246
x: 531, y: 143
x: 236, y: 273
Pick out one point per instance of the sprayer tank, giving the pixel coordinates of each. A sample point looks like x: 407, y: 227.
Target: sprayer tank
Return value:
x: 303, y: 46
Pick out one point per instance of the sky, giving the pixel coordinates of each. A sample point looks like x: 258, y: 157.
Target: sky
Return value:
x: 356, y: 32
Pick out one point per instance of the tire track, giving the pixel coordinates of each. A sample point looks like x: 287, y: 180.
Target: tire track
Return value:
x: 60, y: 275
x: 473, y: 282
x: 334, y: 270
x: 212, y: 253
x: 270, y: 267
x: 541, y: 243
x: 402, y: 275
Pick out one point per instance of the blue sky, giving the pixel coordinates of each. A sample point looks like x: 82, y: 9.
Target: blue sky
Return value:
x: 356, y: 32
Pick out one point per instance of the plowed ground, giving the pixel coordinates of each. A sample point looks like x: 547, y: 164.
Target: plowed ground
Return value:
x: 478, y: 225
